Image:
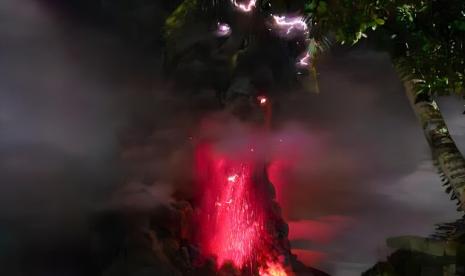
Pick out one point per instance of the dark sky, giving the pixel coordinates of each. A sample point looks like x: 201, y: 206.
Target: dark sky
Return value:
x: 68, y: 91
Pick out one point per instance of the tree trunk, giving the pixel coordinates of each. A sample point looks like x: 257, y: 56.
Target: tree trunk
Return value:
x: 446, y: 155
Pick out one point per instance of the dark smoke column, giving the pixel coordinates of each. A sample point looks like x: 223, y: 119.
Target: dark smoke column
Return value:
x: 227, y: 46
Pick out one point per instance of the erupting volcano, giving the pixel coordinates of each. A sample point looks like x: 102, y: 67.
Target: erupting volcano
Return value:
x: 239, y: 221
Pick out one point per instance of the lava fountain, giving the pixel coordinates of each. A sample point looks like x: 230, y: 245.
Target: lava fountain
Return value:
x: 237, y: 212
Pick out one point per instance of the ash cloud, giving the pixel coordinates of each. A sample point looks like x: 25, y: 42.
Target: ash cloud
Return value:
x: 85, y: 118
x: 69, y: 94
x: 369, y: 165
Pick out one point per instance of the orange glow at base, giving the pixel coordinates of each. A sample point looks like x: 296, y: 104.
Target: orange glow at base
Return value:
x: 273, y: 269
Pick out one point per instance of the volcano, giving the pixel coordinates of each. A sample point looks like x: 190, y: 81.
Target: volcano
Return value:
x: 239, y: 222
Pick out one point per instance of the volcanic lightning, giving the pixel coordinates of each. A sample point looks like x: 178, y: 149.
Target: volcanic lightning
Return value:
x: 223, y: 30
x: 245, y: 7
x: 304, y: 61
x: 290, y: 24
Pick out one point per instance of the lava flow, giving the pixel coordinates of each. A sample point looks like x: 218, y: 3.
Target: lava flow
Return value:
x: 273, y: 269
x: 235, y: 214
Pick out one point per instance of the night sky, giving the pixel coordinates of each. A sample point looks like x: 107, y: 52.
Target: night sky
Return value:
x: 71, y: 91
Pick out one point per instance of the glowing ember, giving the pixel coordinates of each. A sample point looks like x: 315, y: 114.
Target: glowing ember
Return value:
x: 245, y: 7
x: 289, y: 25
x: 223, y: 30
x: 262, y: 100
x: 273, y: 269
x: 233, y: 178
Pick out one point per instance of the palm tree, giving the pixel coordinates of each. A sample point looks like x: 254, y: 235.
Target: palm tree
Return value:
x: 426, y: 40
x: 446, y: 155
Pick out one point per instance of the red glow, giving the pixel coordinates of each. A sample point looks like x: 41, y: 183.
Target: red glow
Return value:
x: 273, y: 269
x: 278, y: 173
x: 321, y: 231
x: 310, y: 257
x: 234, y: 209
x: 232, y: 221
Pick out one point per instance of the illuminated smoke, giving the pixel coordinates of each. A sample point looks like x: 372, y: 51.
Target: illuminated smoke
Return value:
x: 289, y: 26
x: 223, y: 30
x: 245, y: 7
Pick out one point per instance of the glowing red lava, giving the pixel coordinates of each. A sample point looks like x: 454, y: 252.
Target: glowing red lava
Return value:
x: 232, y: 221
x: 234, y: 211
x: 272, y: 269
